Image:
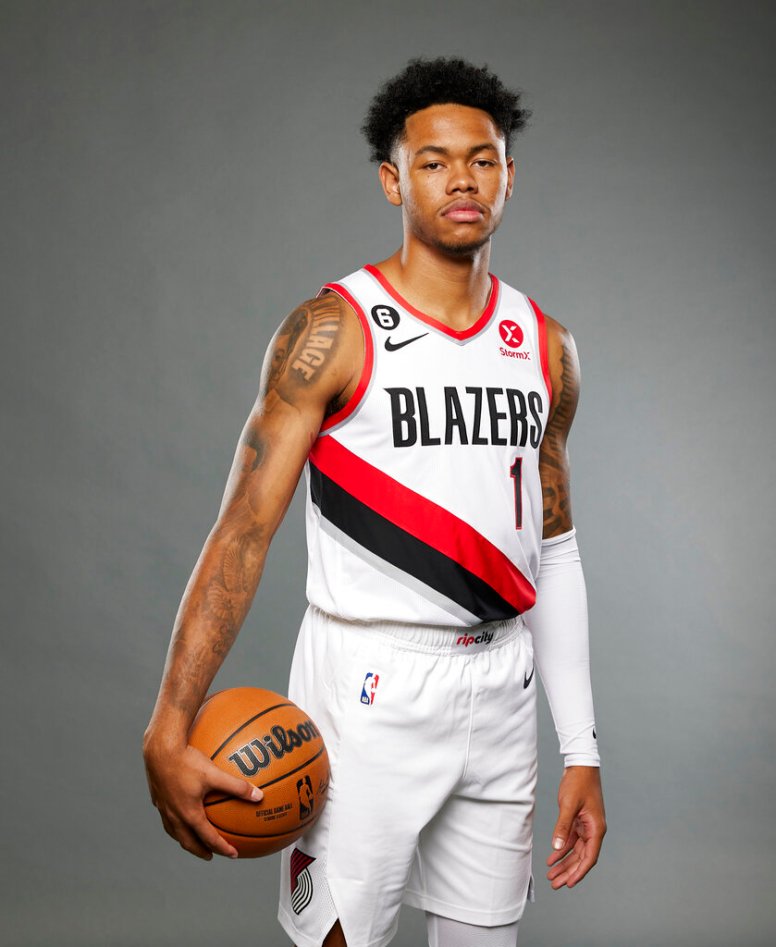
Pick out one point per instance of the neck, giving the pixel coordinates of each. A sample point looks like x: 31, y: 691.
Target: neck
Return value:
x: 452, y: 289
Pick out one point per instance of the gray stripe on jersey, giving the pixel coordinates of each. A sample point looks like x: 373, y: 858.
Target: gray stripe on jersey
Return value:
x: 387, y: 568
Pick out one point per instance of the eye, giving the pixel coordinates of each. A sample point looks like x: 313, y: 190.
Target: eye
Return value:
x: 485, y: 161
x: 433, y: 164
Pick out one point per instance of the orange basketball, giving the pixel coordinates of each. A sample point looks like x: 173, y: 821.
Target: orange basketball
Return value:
x: 266, y: 739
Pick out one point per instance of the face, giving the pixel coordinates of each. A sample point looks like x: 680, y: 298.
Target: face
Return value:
x: 451, y: 176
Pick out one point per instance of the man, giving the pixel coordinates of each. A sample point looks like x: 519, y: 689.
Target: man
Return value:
x: 429, y: 404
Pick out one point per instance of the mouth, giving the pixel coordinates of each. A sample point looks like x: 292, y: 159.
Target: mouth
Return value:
x: 464, y: 212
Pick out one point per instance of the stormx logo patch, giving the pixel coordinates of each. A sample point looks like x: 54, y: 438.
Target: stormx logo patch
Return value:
x: 512, y: 335
x: 369, y: 687
x: 465, y: 640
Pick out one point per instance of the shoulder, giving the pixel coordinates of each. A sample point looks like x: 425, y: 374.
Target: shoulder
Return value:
x: 326, y: 321
x: 559, y: 339
x: 328, y: 309
x: 316, y: 345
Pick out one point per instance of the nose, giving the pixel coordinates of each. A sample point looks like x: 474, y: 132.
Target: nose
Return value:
x: 461, y: 178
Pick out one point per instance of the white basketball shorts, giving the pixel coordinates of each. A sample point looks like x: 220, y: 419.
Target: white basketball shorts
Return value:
x: 431, y: 734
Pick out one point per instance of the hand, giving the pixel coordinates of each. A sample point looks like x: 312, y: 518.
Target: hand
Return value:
x: 580, y: 828
x: 178, y: 780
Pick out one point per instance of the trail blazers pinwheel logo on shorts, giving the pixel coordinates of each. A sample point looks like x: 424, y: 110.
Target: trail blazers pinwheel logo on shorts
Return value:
x: 301, y: 882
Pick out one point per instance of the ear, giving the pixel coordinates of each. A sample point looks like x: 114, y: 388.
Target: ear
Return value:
x: 389, y: 178
x: 510, y: 177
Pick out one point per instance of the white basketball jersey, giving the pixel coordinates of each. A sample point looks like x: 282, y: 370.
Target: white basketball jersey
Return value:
x: 424, y: 501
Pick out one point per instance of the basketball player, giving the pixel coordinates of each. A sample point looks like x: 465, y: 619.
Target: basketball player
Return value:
x: 429, y: 404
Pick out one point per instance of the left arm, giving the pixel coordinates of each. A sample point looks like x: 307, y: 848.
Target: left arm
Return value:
x: 558, y: 623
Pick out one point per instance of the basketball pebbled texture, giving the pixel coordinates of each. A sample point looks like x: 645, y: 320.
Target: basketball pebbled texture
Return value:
x: 268, y: 740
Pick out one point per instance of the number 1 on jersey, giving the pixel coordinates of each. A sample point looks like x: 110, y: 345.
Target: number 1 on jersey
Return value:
x: 515, y: 472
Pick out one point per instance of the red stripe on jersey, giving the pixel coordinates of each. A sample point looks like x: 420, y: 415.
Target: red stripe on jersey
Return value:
x: 543, y: 351
x: 490, y: 308
x: 369, y: 357
x: 424, y: 519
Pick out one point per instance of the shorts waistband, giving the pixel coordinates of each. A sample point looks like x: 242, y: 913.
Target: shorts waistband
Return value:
x: 438, y: 639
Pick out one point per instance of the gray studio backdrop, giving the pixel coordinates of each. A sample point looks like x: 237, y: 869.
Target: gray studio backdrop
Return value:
x: 175, y: 178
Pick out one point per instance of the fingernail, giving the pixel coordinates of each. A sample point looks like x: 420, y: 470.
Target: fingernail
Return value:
x: 257, y: 795
x: 557, y: 844
x: 234, y: 855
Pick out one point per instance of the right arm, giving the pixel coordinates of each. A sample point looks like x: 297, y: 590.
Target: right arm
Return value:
x: 311, y: 368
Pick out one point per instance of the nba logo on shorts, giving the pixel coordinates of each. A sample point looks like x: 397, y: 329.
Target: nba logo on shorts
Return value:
x: 369, y: 688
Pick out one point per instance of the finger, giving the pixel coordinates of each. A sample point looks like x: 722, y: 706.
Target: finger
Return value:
x: 572, y: 877
x: 573, y: 869
x: 589, y: 857
x: 555, y: 857
x: 562, y: 874
x: 587, y: 851
x: 233, y: 785
x: 563, y: 867
x: 563, y: 870
x: 167, y: 823
x: 189, y: 841
x: 198, y: 834
x: 560, y: 881
x: 209, y: 836
x: 562, y: 830
x: 178, y: 830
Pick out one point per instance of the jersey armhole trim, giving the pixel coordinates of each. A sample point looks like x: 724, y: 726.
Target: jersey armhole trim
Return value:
x: 366, y: 372
x: 544, y: 356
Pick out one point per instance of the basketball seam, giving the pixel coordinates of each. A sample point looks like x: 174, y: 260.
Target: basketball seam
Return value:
x: 229, y: 831
x: 247, y: 722
x: 277, y: 779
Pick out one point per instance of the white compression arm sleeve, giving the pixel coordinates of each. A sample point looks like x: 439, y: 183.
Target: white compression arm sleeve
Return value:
x: 558, y: 625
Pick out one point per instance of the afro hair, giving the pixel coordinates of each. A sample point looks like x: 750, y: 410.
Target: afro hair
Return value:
x: 425, y: 82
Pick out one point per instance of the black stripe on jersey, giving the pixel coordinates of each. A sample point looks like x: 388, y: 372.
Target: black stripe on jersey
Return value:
x: 390, y: 542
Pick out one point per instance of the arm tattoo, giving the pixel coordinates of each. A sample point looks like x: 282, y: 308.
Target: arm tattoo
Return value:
x: 555, y: 494
x: 554, y: 463
x: 566, y: 402
x: 222, y: 601
x: 228, y: 574
x: 227, y: 590
x: 257, y: 445
x: 294, y: 326
x: 304, y: 346
x: 326, y: 319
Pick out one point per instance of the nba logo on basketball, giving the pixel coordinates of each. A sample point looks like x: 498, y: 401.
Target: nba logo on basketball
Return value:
x: 369, y: 688
x: 304, y: 791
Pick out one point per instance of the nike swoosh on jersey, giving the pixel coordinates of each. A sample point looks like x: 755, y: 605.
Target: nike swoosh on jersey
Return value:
x: 392, y: 346
x: 527, y: 679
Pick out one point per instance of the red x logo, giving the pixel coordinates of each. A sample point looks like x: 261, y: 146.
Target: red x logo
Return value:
x: 511, y: 333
